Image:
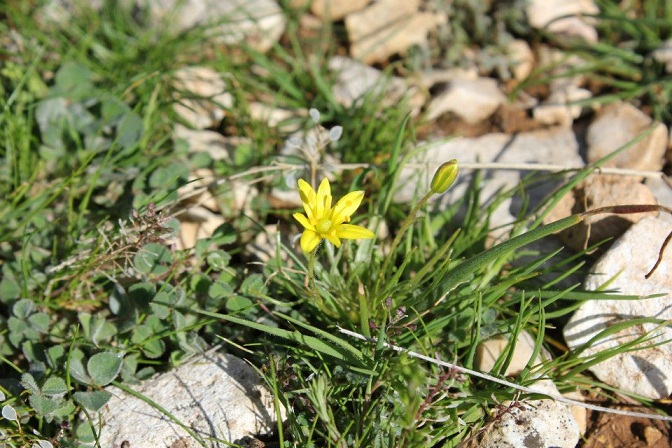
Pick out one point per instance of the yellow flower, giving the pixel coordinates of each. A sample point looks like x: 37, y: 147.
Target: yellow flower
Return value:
x: 321, y: 221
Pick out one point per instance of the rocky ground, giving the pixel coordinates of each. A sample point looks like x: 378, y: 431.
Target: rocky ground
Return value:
x: 494, y: 125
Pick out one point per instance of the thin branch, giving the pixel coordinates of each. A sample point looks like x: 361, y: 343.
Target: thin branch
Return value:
x: 494, y: 379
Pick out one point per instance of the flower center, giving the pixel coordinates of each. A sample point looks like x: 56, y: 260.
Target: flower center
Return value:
x: 323, y: 225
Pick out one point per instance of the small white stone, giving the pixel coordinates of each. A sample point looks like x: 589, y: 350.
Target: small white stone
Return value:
x: 663, y: 54
x: 388, y: 27
x: 521, y: 57
x: 553, y: 16
x: 336, y: 9
x: 491, y: 349
x: 354, y: 80
x: 536, y: 423
x: 471, y: 100
x: 258, y: 23
x: 648, y: 371
x: 216, y: 395
x: 560, y: 107
x: 202, y: 96
x: 618, y: 124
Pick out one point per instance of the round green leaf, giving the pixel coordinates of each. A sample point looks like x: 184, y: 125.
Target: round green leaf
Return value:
x: 54, y: 388
x: 23, y: 308
x: 153, y: 259
x: 218, y: 259
x: 9, y: 413
x: 104, y: 367
x: 92, y: 400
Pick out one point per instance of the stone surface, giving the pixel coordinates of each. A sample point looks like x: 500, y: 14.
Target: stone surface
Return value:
x: 561, y: 106
x: 489, y: 351
x: 213, y: 143
x: 336, y: 9
x: 552, y: 15
x: 354, y: 80
x: 663, y: 54
x: 521, y: 57
x: 618, y: 124
x: 215, y: 395
x: 647, y: 371
x: 388, y: 27
x: 258, y: 23
x: 201, y: 96
x: 556, y: 146
x: 473, y: 100
x: 532, y: 424
x: 600, y: 190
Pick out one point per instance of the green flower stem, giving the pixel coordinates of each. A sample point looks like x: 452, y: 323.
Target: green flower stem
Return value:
x: 400, y: 234
x: 311, y: 277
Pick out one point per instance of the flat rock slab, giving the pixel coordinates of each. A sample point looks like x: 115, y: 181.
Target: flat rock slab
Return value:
x: 217, y: 396
x: 557, y: 146
x: 647, y: 371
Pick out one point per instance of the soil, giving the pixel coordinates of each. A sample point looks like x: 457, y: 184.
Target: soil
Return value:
x: 614, y: 431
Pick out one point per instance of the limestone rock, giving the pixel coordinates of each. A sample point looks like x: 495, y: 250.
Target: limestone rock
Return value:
x: 489, y: 351
x: 521, y: 57
x: 336, y: 9
x: 215, y: 395
x: 201, y: 96
x: 354, y: 80
x: 561, y: 106
x: 472, y: 100
x: 618, y: 124
x: 258, y: 23
x: 663, y: 54
x: 646, y: 371
x: 597, y: 191
x: 563, y: 17
x: 210, y: 142
x: 554, y: 146
x: 536, y: 423
x: 388, y: 27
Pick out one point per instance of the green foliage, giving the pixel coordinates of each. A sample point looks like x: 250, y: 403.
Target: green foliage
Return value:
x: 94, y: 291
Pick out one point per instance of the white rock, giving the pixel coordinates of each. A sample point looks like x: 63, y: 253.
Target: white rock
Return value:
x: 555, y: 146
x: 196, y: 223
x: 259, y: 23
x: 285, y: 120
x: 354, y: 80
x: 388, y: 27
x: 491, y: 349
x: 202, y: 96
x: 550, y: 14
x: 213, y: 143
x: 471, y: 100
x: 536, y: 423
x: 521, y: 57
x: 618, y: 124
x: 600, y: 190
x: 215, y: 395
x: 560, y: 107
x: 336, y: 9
x: 646, y: 372
x: 663, y: 54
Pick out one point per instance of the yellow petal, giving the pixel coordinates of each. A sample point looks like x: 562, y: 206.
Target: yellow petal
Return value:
x: 333, y: 239
x: 308, y: 197
x: 303, y: 221
x: 353, y: 232
x: 309, y: 240
x: 346, y: 206
x: 323, y: 201
x: 306, y: 192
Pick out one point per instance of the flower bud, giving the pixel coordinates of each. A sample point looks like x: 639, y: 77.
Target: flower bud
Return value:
x: 444, y: 177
